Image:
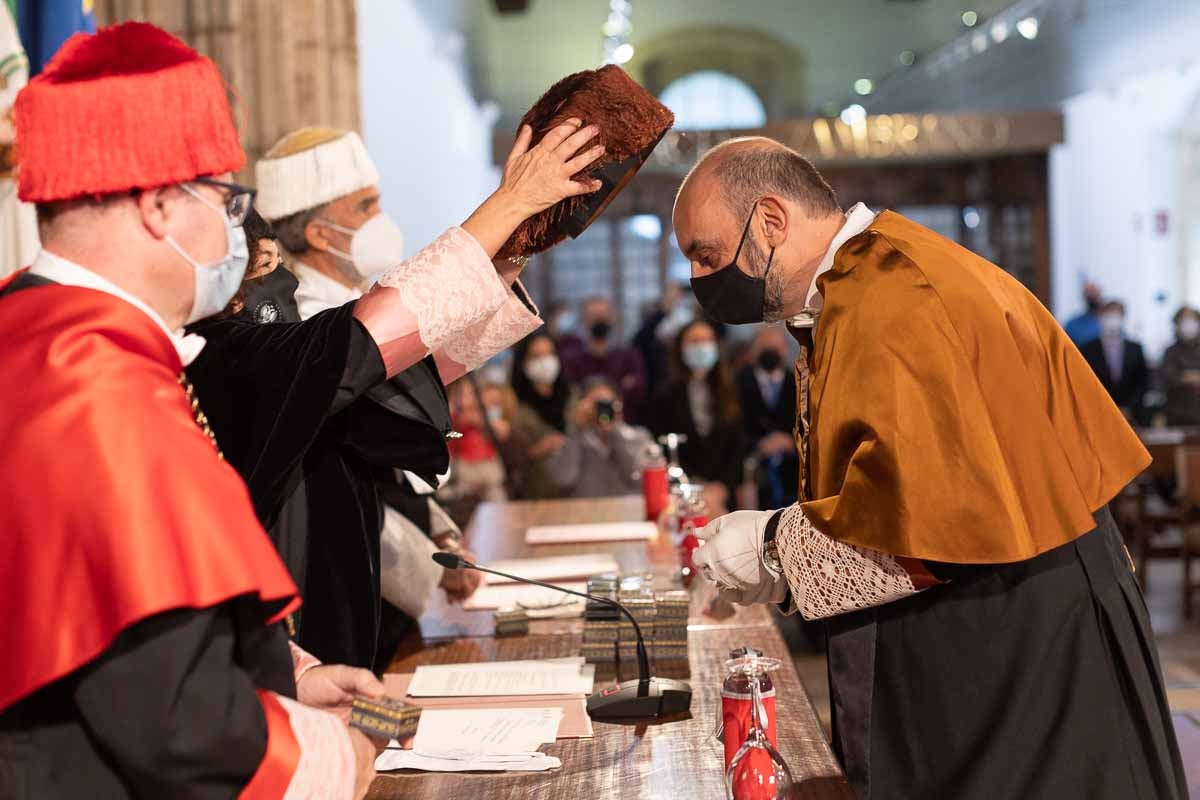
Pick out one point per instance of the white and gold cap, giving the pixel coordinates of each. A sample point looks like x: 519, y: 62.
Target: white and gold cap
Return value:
x: 310, y: 167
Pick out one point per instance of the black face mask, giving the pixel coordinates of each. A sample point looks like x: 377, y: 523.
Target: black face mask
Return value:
x: 730, y: 295
x: 769, y: 360
x: 600, y: 330
x: 271, y: 298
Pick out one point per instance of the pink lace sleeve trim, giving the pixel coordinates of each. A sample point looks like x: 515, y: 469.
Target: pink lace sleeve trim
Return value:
x: 515, y: 320
x: 432, y: 299
x: 302, y: 660
x: 828, y: 578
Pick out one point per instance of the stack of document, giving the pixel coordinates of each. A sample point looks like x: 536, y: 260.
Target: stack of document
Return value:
x: 484, y: 739
x: 496, y: 737
x: 488, y: 679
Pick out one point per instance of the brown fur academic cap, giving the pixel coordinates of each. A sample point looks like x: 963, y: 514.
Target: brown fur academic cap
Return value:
x: 631, y: 122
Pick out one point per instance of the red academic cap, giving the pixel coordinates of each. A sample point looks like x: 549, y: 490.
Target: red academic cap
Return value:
x: 129, y: 107
x: 631, y: 122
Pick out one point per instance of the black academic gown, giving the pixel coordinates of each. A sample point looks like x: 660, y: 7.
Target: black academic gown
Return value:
x: 1037, y: 679
x: 350, y: 473
x: 305, y: 412
x: 173, y: 668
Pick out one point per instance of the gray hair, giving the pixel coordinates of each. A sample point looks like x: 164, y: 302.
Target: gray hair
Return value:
x: 745, y: 174
x: 290, y: 229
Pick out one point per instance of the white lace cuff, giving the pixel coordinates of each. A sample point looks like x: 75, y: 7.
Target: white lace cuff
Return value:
x: 325, y: 770
x: 449, y: 286
x: 515, y: 320
x: 827, y: 577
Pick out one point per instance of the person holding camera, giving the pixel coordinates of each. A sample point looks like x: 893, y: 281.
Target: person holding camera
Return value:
x: 602, y: 455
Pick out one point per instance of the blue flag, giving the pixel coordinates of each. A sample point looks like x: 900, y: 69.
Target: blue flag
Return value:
x: 46, y: 24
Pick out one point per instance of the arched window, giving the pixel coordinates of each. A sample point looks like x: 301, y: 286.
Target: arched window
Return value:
x: 709, y: 99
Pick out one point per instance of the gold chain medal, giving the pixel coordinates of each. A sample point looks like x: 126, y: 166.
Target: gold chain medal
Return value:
x: 198, y: 413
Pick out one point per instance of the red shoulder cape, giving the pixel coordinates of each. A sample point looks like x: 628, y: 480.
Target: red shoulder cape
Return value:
x: 116, y: 506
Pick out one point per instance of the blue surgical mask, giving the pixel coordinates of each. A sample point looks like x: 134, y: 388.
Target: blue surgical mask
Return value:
x: 216, y: 284
x: 701, y: 357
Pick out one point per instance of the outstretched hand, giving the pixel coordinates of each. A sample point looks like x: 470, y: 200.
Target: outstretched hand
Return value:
x: 538, y: 177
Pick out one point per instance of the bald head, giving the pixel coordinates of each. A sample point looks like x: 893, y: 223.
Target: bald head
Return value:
x: 755, y: 202
x: 744, y: 169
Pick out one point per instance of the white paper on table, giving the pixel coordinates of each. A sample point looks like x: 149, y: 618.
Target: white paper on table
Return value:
x: 394, y: 758
x: 468, y: 733
x: 553, y: 568
x: 515, y: 678
x: 590, y: 532
x: 522, y: 595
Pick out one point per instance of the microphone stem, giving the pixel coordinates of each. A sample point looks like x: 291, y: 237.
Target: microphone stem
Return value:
x: 643, y: 659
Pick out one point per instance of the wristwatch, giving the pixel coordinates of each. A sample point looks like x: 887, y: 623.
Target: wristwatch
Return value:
x: 770, y: 547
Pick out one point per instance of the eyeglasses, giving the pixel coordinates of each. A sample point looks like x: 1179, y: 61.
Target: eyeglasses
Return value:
x: 238, y: 199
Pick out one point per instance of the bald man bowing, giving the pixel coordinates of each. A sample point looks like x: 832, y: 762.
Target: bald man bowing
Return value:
x: 987, y: 638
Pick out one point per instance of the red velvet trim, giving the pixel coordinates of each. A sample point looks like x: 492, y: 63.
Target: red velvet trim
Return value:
x: 116, y: 507
x: 270, y: 781
x: 918, y: 573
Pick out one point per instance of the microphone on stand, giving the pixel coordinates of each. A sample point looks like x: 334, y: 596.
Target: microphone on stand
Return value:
x: 645, y: 697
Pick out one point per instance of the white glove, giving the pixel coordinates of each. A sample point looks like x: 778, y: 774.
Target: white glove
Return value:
x: 732, y: 558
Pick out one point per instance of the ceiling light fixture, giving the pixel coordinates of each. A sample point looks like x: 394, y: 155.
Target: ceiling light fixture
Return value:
x: 1028, y: 27
x: 907, y: 58
x: 970, y: 19
x: 864, y: 86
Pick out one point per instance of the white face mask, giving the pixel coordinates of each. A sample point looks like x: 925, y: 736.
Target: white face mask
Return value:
x: 543, y: 369
x: 1111, y: 324
x: 701, y: 356
x: 216, y: 284
x: 375, y: 247
x: 1189, y: 328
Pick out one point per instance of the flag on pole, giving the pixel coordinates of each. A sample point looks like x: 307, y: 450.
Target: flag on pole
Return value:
x: 46, y: 24
x: 18, y: 223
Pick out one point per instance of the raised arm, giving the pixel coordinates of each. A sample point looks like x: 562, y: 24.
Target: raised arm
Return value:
x: 450, y: 290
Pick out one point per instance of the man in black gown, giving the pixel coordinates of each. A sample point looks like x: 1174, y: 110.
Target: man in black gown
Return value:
x: 306, y: 411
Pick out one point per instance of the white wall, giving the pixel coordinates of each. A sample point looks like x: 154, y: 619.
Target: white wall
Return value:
x: 1117, y: 171
x: 429, y: 137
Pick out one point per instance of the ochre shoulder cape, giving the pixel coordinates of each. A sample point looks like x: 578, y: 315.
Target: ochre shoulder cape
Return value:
x: 115, y: 505
x: 952, y: 419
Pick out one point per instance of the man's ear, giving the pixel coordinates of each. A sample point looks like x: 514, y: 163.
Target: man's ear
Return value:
x: 158, y: 208
x: 775, y: 220
x: 316, y: 235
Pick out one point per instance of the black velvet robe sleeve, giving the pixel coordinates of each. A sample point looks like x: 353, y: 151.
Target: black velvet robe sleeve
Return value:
x: 268, y: 388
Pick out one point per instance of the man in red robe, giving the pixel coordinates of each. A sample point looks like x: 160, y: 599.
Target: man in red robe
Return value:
x: 142, y: 601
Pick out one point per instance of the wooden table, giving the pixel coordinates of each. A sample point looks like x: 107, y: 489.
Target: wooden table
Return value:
x: 675, y: 759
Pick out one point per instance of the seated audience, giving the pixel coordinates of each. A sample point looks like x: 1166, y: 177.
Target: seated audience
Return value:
x: 476, y: 471
x: 538, y: 380
x: 603, y: 454
x: 525, y: 442
x: 600, y: 355
x: 1118, y: 361
x: 767, y: 395
x: 701, y: 403
x: 659, y: 328
x: 1181, y: 370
